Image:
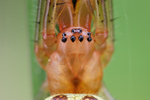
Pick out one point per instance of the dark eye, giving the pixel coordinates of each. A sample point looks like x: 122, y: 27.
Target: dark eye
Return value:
x: 89, y: 34
x: 89, y: 39
x: 64, y: 39
x: 80, y: 30
x: 73, y: 38
x: 64, y: 34
x: 73, y: 30
x: 81, y: 38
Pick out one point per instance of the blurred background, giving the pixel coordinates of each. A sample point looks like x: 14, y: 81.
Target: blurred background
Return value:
x: 127, y: 76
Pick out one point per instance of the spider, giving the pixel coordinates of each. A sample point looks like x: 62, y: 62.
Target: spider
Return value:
x: 74, y: 43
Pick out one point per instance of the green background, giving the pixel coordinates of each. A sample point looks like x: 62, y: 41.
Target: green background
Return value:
x: 127, y: 76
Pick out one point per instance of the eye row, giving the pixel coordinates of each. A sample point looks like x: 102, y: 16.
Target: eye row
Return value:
x: 80, y: 38
x: 76, y: 30
x: 89, y: 38
x: 73, y: 38
x: 89, y: 34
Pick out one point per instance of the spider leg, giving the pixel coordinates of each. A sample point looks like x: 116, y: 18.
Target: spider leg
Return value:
x: 65, y: 20
x: 82, y: 16
x: 109, y: 46
x: 105, y: 94
x: 60, y: 12
x: 103, y: 29
x: 106, y: 55
x: 49, y: 12
x: 45, y: 42
x: 43, y: 92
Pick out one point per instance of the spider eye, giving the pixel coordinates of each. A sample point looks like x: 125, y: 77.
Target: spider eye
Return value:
x: 64, y: 34
x: 89, y: 39
x: 64, y: 39
x: 73, y: 30
x: 89, y: 34
x: 81, y: 38
x: 80, y: 30
x: 73, y: 38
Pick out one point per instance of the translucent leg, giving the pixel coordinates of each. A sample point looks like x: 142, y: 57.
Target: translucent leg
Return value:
x: 105, y: 49
x: 105, y: 44
x: 43, y: 92
x: 41, y: 56
x: 45, y: 41
x: 104, y: 93
x: 82, y: 16
x: 65, y: 19
x: 107, y: 54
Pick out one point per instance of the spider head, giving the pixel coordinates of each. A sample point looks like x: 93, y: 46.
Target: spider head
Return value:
x: 75, y: 40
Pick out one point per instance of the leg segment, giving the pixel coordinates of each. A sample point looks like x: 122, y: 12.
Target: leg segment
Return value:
x: 105, y: 44
x: 65, y: 20
x: 41, y: 55
x: 45, y: 39
x: 104, y: 93
x: 43, y: 92
x: 82, y: 16
x: 106, y: 55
